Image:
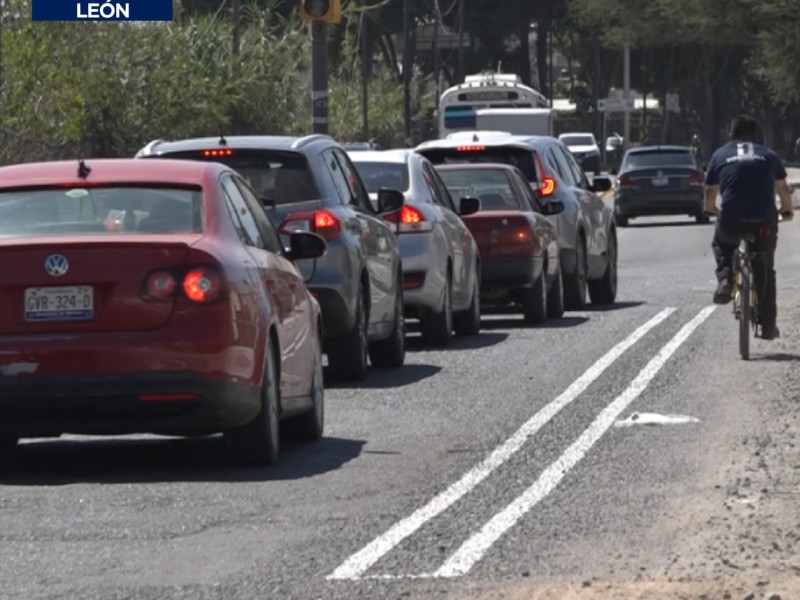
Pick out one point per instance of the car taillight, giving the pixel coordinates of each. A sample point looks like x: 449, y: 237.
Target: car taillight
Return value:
x: 202, y: 285
x: 696, y: 178
x: 161, y: 285
x: 472, y: 148
x: 409, y: 220
x: 624, y: 181
x: 320, y: 222
x: 547, y: 187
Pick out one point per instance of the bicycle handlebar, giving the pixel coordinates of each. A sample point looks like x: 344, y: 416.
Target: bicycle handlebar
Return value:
x: 783, y: 216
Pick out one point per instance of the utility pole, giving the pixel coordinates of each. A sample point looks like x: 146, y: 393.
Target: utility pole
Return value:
x: 550, y: 48
x: 627, y: 92
x: 319, y: 76
x: 461, y: 19
x: 366, y: 59
x: 406, y: 75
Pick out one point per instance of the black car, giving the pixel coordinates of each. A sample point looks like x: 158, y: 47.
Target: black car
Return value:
x: 310, y: 184
x: 659, y: 180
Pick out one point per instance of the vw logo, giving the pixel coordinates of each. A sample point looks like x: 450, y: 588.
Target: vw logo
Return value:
x: 56, y: 265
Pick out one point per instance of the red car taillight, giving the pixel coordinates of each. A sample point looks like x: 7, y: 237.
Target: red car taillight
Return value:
x: 624, y: 181
x: 202, y: 285
x: 320, y: 222
x: 547, y: 187
x: 696, y: 179
x: 409, y: 220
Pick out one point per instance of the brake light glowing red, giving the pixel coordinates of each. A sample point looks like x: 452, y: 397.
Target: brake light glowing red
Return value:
x: 321, y: 222
x: 409, y: 220
x: 470, y: 148
x: 202, y: 285
x: 220, y: 152
x: 409, y: 214
x: 161, y: 285
x: 547, y: 187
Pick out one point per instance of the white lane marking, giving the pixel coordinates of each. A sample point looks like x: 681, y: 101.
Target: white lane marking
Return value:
x: 638, y: 418
x: 357, y: 564
x: 475, y: 548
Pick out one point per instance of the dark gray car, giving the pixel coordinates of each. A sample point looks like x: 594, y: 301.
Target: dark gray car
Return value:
x: 310, y: 184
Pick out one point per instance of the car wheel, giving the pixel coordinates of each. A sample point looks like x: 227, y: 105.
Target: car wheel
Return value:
x: 311, y: 424
x: 468, y: 322
x: 391, y: 352
x: 621, y: 221
x: 348, y: 354
x: 702, y: 219
x: 555, y: 297
x: 534, y: 301
x: 437, y: 327
x: 604, y: 290
x: 258, y: 442
x: 575, y: 283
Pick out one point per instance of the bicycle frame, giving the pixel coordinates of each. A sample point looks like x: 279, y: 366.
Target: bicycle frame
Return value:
x: 745, y: 305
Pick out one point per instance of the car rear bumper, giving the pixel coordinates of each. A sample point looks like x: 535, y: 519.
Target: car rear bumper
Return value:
x: 174, y: 403
x: 509, y: 272
x: 423, y: 273
x: 662, y: 203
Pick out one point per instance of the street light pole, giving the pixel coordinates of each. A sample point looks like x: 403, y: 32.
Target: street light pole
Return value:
x: 461, y: 19
x: 406, y: 77
x: 627, y: 92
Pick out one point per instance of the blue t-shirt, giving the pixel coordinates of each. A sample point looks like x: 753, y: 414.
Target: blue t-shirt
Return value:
x: 746, y: 173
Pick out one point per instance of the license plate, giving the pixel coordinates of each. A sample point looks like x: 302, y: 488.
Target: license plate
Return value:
x: 67, y: 303
x: 660, y: 181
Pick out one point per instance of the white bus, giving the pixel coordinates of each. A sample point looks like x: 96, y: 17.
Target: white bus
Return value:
x: 478, y: 101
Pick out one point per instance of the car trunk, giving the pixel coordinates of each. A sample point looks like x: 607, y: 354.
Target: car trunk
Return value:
x: 502, y: 233
x: 100, y: 286
x: 654, y: 180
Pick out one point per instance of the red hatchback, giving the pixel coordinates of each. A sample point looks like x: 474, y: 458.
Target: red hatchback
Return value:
x: 152, y: 297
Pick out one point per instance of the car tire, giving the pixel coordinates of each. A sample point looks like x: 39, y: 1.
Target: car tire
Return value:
x: 555, y: 297
x: 310, y: 425
x: 348, y: 354
x: 702, y: 219
x: 468, y: 322
x: 391, y: 352
x: 621, y: 221
x: 604, y: 290
x: 437, y: 327
x: 258, y: 442
x: 575, y: 283
x: 534, y: 301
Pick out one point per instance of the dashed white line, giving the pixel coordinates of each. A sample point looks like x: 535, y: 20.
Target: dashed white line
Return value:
x: 475, y: 548
x: 358, y: 564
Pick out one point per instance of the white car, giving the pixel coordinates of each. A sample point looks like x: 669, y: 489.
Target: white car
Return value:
x: 584, y: 148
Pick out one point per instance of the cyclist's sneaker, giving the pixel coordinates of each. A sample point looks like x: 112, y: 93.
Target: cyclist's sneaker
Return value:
x: 770, y: 333
x: 724, y: 292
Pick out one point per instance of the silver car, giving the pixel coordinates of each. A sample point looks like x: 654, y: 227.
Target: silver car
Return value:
x: 441, y: 263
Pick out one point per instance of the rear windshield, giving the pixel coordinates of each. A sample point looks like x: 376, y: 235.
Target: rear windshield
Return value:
x: 375, y: 175
x: 100, y: 210
x: 578, y: 140
x: 492, y: 188
x: 659, y: 158
x: 519, y: 157
x: 281, y: 177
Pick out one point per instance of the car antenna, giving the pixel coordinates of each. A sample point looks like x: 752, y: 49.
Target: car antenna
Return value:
x: 222, y: 140
x: 83, y: 169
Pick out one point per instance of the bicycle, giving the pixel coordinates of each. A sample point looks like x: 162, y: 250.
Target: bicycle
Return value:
x: 745, y: 296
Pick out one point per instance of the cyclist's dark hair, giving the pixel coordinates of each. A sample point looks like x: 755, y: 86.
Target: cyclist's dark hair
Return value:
x: 745, y: 127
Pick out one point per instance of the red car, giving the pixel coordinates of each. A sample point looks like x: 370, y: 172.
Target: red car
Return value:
x: 518, y: 244
x: 152, y: 297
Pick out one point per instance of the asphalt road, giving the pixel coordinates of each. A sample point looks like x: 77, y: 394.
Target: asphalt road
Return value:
x: 500, y: 467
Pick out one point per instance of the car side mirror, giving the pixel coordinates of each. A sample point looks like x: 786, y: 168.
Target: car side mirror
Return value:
x: 601, y: 184
x: 552, y: 207
x: 303, y: 244
x: 468, y: 206
x: 390, y: 200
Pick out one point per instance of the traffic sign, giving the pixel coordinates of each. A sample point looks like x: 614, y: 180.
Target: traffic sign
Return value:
x: 615, y: 105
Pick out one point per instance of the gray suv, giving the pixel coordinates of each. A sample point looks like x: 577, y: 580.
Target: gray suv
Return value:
x: 309, y: 184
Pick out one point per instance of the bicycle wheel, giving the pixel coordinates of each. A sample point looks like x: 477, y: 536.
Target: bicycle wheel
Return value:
x: 744, y: 316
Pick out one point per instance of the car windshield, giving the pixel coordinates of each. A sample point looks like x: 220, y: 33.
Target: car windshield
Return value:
x: 282, y: 177
x: 578, y: 140
x: 491, y: 187
x: 521, y: 158
x: 100, y: 210
x: 659, y: 158
x: 377, y: 175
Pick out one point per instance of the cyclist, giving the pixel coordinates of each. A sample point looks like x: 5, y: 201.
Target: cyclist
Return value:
x: 747, y: 175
